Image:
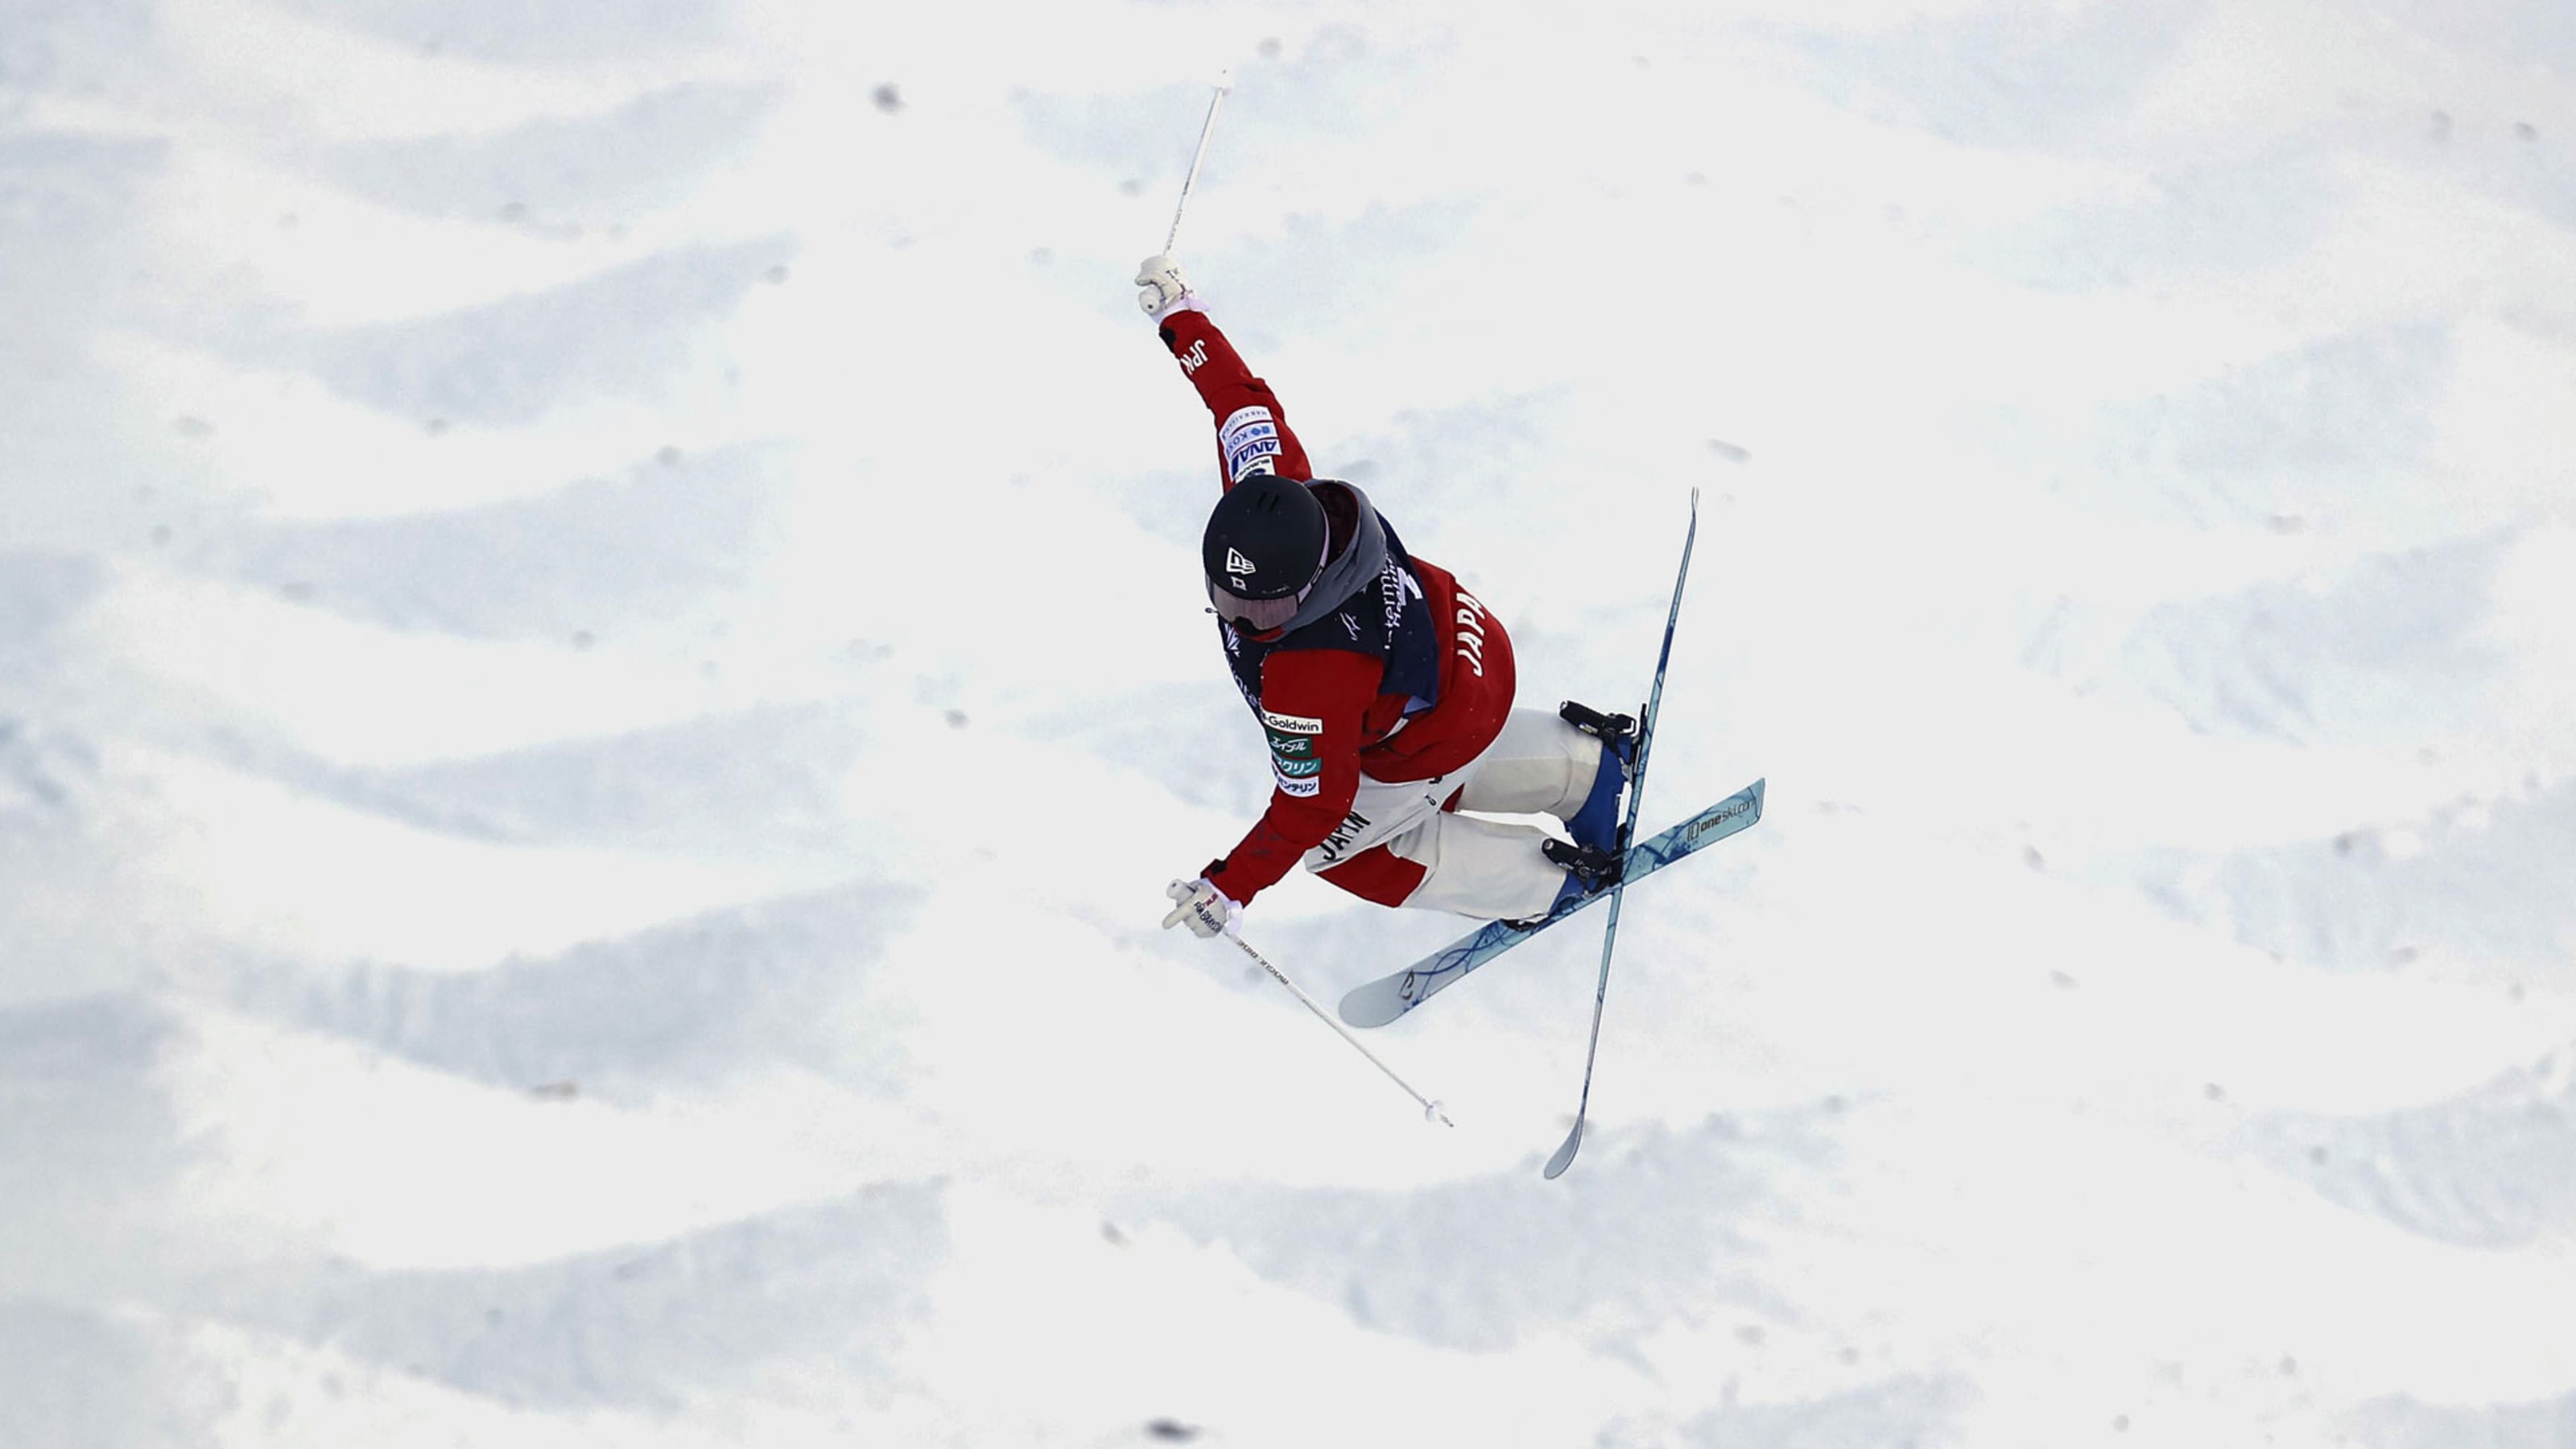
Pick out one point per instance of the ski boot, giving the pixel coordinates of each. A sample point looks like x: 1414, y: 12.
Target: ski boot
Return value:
x: 1595, y: 826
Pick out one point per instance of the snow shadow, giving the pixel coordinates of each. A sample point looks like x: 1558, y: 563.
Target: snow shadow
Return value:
x: 78, y: 1379
x: 93, y: 1156
x: 2525, y: 35
x: 2224, y: 216
x: 2336, y: 427
x: 558, y: 173
x: 560, y: 30
x: 67, y: 228
x: 620, y: 334
x: 2386, y: 654
x: 1475, y: 459
x: 1201, y: 721
x: 751, y: 784
x: 2491, y: 1168
x: 1326, y: 273
x: 761, y: 784
x: 1918, y: 1413
x: 1133, y: 135
x: 2399, y: 1422
x: 646, y: 545
x: 1340, y: 84
x: 1656, y: 1225
x: 38, y: 591
x: 2486, y: 884
x: 829, y: 1289
x: 82, y: 453
x: 2016, y: 79
x: 83, y: 907
x: 58, y: 45
x: 750, y: 987
x: 34, y: 790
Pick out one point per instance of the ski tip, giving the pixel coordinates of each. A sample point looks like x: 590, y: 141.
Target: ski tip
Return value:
x: 1758, y: 788
x: 1564, y: 1157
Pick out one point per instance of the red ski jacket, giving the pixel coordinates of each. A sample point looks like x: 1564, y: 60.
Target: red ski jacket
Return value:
x: 1331, y: 696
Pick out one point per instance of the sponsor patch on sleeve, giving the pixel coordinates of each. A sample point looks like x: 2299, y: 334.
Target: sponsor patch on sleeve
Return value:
x: 1292, y: 752
x: 1250, y: 438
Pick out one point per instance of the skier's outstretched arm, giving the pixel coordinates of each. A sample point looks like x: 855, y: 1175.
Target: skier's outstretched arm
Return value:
x: 1252, y: 433
x: 1311, y: 702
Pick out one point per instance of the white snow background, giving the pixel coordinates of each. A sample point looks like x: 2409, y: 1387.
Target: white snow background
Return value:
x: 601, y: 670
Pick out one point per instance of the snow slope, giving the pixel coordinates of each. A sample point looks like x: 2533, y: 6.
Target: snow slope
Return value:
x: 600, y: 671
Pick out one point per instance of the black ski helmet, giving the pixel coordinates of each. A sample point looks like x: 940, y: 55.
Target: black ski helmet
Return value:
x: 1263, y: 549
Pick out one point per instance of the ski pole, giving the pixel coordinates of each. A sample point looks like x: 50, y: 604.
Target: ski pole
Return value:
x: 1224, y: 83
x: 1430, y: 1109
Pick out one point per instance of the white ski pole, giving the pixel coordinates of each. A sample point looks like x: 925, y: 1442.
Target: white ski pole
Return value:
x: 1224, y: 83
x: 1430, y: 1109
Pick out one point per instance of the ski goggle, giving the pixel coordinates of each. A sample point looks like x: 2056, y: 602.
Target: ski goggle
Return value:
x: 1259, y: 616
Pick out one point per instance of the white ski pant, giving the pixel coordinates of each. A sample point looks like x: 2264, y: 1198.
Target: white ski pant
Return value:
x: 1488, y: 869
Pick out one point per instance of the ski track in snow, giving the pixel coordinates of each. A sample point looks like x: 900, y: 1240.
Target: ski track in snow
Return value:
x: 577, y: 867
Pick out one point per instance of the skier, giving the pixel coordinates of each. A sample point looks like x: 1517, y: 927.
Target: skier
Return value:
x: 1383, y: 686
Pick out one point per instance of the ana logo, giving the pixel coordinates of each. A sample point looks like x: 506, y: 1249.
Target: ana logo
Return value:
x: 1249, y: 439
x: 1236, y: 563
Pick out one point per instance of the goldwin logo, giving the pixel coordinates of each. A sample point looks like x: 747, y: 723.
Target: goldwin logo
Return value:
x: 1236, y: 563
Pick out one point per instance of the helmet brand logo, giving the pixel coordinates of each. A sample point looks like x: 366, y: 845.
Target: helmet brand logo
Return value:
x: 1236, y: 563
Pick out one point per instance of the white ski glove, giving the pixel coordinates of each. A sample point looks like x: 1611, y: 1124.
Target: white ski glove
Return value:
x: 1204, y: 909
x: 1166, y: 291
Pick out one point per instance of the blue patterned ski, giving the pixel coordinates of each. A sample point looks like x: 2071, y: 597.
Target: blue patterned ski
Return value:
x: 1378, y: 1002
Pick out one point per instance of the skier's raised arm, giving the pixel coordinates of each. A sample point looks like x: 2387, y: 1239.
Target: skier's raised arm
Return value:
x: 1252, y: 433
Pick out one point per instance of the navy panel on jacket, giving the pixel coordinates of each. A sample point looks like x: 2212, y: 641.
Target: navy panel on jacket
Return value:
x: 1390, y: 621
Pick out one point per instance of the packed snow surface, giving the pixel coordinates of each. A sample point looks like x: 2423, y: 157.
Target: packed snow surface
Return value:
x: 601, y: 670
